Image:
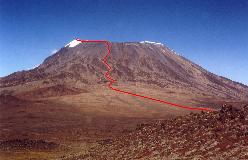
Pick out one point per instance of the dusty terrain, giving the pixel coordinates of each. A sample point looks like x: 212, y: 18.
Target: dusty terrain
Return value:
x: 72, y: 121
x: 63, y: 109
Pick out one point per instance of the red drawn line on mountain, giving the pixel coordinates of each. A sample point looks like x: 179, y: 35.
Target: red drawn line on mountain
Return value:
x: 111, y: 81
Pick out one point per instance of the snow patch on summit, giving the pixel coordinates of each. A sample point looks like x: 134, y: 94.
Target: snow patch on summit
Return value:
x: 150, y: 42
x: 73, y: 43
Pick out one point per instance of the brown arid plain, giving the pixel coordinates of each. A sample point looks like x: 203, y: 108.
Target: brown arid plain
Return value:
x: 63, y: 109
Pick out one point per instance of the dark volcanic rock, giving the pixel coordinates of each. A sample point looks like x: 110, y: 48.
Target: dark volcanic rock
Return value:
x: 26, y: 144
x: 9, y: 100
x: 216, y: 135
x: 52, y: 91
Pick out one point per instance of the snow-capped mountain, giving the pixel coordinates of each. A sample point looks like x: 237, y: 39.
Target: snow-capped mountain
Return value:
x: 145, y: 62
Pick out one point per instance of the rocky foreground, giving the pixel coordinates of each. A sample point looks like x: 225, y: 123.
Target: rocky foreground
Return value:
x: 215, y: 135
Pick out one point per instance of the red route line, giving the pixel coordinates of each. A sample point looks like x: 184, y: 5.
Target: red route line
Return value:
x: 111, y: 81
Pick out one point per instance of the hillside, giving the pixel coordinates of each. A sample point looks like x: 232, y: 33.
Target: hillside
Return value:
x: 217, y: 135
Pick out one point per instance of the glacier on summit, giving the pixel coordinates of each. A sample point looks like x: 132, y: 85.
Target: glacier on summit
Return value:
x: 150, y: 42
x: 73, y: 43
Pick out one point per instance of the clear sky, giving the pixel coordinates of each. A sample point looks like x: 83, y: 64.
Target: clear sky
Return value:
x: 211, y: 33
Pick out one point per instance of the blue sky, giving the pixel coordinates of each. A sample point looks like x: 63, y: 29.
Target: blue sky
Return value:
x: 213, y: 33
